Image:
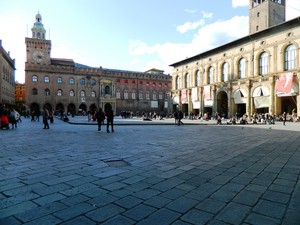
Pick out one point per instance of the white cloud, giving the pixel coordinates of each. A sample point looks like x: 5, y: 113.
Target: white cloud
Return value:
x: 207, y: 15
x: 239, y: 3
x: 190, y: 11
x: 207, y: 37
x: 190, y: 26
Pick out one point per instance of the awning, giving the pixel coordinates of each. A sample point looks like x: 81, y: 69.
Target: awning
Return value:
x: 285, y: 85
x: 261, y: 91
x: 196, y: 105
x: 261, y: 102
x: 239, y: 96
x: 294, y: 90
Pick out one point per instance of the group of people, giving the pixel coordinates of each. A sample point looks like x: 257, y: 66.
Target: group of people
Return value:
x: 178, y: 116
x: 9, y: 116
x: 108, y: 114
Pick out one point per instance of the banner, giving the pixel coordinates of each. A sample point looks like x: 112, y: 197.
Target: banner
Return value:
x: 183, y: 96
x: 207, y: 93
x: 195, y: 94
x: 284, y: 84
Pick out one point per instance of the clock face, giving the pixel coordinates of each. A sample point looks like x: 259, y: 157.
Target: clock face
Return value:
x: 38, y: 56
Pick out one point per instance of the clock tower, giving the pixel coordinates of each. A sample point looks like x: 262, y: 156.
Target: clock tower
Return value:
x: 38, y: 49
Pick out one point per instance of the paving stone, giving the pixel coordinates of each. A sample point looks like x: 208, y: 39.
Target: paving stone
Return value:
x: 10, y: 221
x: 246, y: 197
x: 157, y: 201
x: 233, y: 213
x: 73, y: 211
x: 81, y: 220
x: 276, y: 197
x: 160, y: 217
x: 18, y: 208
x: 182, y: 204
x: 49, y: 198
x: 104, y: 213
x: 211, y: 205
x: 271, y: 209
x: 139, y: 212
x: 292, y: 217
x: 195, y: 216
x: 128, y: 202
x: 47, y: 220
x: 255, y: 218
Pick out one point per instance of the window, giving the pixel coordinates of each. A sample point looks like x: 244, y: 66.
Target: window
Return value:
x: 82, y: 93
x: 147, y: 95
x: 160, y: 95
x: 34, y: 78
x: 177, y: 82
x: 72, y: 81
x: 107, y: 90
x: 210, y: 76
x: 225, y: 72
x: 263, y: 64
x: 154, y: 95
x: 118, y: 94
x: 125, y: 94
x: 133, y: 94
x: 34, y: 91
x: 93, y: 81
x: 47, y: 92
x: 242, y: 68
x: 72, y: 93
x: 187, y: 80
x: 197, y: 78
x: 290, y: 57
x: 59, y: 92
x: 82, y: 81
x: 93, y: 94
x: 59, y: 80
x: 141, y: 95
x: 47, y: 80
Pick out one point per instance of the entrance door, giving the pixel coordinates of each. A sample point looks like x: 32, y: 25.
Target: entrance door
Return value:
x: 222, y: 104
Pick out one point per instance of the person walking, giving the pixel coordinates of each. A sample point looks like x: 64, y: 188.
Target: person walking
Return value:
x: 284, y: 118
x: 100, y: 118
x: 180, y: 117
x: 109, y: 119
x: 45, y: 118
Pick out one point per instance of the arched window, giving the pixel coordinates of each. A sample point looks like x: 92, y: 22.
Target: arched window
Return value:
x: 147, y: 95
x: 263, y: 63
x: 34, y: 91
x: 82, y: 81
x: 72, y: 93
x: 47, y: 80
x: 118, y: 94
x: 82, y: 93
x: 290, y: 57
x: 107, y: 90
x: 72, y: 81
x: 177, y: 82
x: 126, y: 94
x: 47, y: 92
x: 141, y: 95
x: 210, y: 76
x: 154, y: 97
x: 187, y: 80
x: 59, y: 80
x: 93, y: 94
x: 225, y: 72
x: 93, y: 82
x: 160, y: 95
x: 133, y: 94
x: 34, y: 78
x: 242, y: 68
x: 197, y: 78
x: 59, y: 92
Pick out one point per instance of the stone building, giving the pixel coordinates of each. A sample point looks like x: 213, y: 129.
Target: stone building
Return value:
x: 20, y: 96
x: 62, y: 84
x: 258, y: 73
x: 7, y: 77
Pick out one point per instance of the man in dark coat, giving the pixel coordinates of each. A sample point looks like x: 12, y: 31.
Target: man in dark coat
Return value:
x: 110, y: 119
x: 100, y: 118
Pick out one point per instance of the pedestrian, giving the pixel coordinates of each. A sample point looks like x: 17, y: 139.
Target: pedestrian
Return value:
x: 180, y: 117
x: 176, y: 117
x: 45, y: 118
x: 14, y: 117
x: 100, y: 118
x: 284, y: 118
x: 109, y: 119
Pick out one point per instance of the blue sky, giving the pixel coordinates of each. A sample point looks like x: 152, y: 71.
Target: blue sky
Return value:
x: 134, y: 35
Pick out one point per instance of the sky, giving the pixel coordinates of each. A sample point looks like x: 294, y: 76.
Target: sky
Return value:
x: 134, y: 35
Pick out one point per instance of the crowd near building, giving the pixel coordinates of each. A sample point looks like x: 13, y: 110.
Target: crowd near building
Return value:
x: 258, y: 73
x: 64, y: 85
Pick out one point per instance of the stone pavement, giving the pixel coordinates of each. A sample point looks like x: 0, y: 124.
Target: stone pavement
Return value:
x: 71, y: 174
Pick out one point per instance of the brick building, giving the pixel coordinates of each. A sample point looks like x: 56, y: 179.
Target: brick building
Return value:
x: 62, y: 84
x: 7, y: 77
x: 258, y: 73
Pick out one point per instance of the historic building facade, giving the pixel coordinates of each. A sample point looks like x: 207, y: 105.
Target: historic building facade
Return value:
x: 62, y: 84
x: 20, y: 96
x: 7, y: 77
x: 258, y: 73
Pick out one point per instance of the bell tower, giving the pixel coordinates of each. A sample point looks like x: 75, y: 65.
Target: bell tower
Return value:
x: 38, y: 49
x: 264, y: 14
